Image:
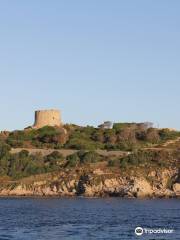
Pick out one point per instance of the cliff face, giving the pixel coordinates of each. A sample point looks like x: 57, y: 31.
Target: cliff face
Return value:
x: 97, y: 183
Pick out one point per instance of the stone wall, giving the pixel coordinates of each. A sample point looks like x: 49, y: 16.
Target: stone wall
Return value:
x: 47, y: 118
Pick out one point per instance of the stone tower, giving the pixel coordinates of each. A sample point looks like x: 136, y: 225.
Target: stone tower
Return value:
x: 50, y: 117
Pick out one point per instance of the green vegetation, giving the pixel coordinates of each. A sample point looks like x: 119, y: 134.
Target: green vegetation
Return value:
x: 82, y: 157
x: 44, y: 137
x: 73, y: 160
x: 138, y: 139
x: 23, y: 164
x: 148, y: 158
x: 123, y: 136
x: 165, y: 134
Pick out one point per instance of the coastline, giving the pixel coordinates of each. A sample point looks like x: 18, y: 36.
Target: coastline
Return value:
x: 96, y: 184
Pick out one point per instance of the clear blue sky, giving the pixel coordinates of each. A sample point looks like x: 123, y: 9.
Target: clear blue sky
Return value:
x: 95, y: 60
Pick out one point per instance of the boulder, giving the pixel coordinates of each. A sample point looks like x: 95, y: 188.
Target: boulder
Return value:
x: 176, y: 189
x: 141, y: 188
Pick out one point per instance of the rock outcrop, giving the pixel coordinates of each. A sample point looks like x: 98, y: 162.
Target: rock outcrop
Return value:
x: 97, y: 184
x: 176, y: 189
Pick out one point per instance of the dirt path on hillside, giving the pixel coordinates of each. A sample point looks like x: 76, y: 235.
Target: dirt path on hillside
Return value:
x: 67, y: 152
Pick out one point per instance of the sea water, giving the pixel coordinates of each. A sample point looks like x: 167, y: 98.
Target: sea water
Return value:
x: 83, y: 218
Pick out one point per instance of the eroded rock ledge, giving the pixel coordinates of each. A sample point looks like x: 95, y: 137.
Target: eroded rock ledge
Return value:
x: 96, y: 183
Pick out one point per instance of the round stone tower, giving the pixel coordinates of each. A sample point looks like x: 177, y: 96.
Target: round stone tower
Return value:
x: 50, y: 117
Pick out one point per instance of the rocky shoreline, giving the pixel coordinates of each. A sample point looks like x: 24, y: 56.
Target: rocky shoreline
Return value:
x: 96, y: 183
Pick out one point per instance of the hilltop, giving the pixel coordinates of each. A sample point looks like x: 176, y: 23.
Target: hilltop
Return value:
x: 122, y: 136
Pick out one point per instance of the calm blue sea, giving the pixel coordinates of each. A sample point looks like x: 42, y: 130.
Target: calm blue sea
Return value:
x: 82, y: 218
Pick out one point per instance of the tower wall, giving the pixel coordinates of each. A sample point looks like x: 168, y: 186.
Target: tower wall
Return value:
x: 47, y: 118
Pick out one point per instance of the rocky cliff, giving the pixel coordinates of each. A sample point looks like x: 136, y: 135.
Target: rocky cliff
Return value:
x: 97, y: 183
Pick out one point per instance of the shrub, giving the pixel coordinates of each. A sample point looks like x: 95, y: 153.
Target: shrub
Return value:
x: 160, y: 158
x: 53, y: 159
x: 4, y: 150
x: 111, y: 163
x: 90, y: 157
x: 81, y: 144
x: 81, y: 154
x: 73, y: 160
x: 23, y: 154
x: 54, y: 155
x: 123, y: 163
x: 15, y: 143
x: 4, y: 158
x: 166, y: 134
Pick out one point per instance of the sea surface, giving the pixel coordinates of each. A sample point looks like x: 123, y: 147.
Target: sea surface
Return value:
x: 83, y: 218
